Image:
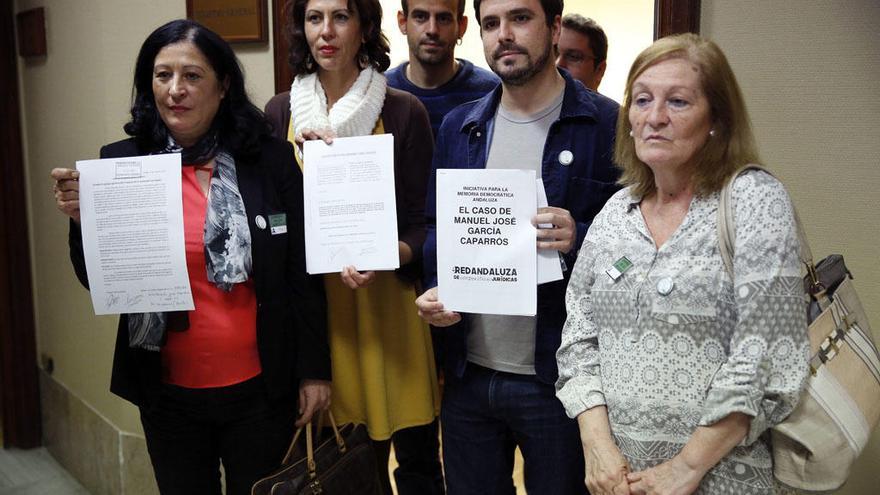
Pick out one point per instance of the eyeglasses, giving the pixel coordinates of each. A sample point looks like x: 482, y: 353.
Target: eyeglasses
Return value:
x: 575, y: 57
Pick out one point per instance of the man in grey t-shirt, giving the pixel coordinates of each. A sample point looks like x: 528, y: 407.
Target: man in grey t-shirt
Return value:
x: 500, y: 370
x: 507, y: 343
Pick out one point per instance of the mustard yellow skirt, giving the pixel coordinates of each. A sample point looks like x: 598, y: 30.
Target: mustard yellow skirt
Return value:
x: 383, y: 362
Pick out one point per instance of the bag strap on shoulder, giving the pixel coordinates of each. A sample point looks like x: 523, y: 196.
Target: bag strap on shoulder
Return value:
x: 727, y: 228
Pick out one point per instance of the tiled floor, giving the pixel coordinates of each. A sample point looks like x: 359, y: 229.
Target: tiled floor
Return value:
x: 518, y: 482
x: 34, y: 472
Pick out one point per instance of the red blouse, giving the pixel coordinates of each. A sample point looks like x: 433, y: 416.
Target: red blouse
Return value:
x: 220, y: 346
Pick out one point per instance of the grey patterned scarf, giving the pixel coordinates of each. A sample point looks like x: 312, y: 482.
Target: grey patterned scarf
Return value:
x: 227, y: 248
x: 227, y: 236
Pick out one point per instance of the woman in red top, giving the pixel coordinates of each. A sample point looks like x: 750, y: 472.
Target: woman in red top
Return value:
x: 217, y: 384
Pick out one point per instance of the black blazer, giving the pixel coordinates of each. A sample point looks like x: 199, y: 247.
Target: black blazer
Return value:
x: 291, y: 308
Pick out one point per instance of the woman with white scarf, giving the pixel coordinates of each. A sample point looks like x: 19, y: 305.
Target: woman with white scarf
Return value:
x: 382, y: 360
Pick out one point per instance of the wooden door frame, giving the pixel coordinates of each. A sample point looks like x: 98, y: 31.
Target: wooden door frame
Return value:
x: 670, y: 17
x: 19, y: 386
x: 676, y: 16
x: 283, y: 72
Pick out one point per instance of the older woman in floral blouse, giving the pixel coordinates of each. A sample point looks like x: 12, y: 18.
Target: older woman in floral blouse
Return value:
x: 673, y: 368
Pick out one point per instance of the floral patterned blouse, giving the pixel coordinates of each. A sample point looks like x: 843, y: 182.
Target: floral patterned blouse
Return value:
x: 673, y: 343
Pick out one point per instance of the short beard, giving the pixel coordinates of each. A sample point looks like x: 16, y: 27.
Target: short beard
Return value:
x: 522, y: 76
x: 435, y: 59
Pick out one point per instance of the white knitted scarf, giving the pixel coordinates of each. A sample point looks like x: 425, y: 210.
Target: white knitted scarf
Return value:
x: 355, y: 114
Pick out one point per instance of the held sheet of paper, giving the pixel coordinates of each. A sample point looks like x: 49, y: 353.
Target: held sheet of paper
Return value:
x: 486, y: 254
x: 131, y: 215
x: 549, y: 260
x: 350, y: 208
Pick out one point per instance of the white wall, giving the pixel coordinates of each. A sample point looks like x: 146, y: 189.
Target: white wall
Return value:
x: 629, y: 25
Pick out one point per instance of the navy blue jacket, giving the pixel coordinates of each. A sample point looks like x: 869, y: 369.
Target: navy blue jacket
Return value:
x: 468, y: 84
x: 585, y: 127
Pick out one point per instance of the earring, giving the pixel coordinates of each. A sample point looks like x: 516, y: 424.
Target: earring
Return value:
x: 363, y: 57
x: 711, y: 132
x: 459, y: 42
x: 631, y: 134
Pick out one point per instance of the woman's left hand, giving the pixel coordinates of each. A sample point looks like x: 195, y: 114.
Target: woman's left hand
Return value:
x: 355, y: 279
x: 314, y: 396
x: 673, y: 477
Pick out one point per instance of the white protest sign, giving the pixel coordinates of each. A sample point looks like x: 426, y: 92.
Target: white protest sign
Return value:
x: 486, y: 255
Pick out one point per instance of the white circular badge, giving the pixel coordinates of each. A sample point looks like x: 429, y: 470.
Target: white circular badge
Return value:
x: 566, y: 157
x: 260, y: 221
x: 665, y: 286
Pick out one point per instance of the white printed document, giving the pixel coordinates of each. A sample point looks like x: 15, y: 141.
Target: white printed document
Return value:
x: 486, y: 255
x: 350, y: 208
x: 131, y: 215
x: 549, y: 260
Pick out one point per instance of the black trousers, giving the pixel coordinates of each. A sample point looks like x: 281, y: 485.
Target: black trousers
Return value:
x: 191, y: 431
x: 417, y: 450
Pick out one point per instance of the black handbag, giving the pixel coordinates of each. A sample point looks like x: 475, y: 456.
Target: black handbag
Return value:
x: 341, y: 464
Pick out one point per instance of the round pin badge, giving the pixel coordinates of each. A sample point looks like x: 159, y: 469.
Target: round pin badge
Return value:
x: 566, y: 157
x: 260, y: 221
x: 665, y: 286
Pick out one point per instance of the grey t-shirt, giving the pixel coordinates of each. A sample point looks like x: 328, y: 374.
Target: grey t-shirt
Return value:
x: 501, y: 342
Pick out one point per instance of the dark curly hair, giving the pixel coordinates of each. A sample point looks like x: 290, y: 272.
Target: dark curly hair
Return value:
x: 373, y: 52
x: 239, y: 124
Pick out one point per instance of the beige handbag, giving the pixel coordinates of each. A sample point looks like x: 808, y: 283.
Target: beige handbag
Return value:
x: 815, y: 447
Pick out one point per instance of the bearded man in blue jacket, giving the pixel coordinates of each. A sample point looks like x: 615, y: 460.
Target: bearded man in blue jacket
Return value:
x: 500, y: 370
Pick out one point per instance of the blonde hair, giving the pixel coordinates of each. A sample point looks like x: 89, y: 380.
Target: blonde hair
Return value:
x: 732, y: 144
